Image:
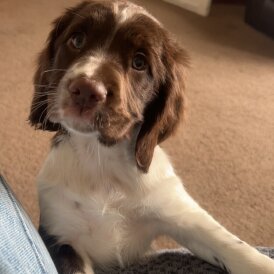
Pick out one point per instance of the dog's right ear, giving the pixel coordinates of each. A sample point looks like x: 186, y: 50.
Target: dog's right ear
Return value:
x: 42, y: 83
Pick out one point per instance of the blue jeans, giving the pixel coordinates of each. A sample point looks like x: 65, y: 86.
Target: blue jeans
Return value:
x: 21, y: 248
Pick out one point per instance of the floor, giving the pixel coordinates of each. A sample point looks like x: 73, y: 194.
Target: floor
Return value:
x: 224, y: 151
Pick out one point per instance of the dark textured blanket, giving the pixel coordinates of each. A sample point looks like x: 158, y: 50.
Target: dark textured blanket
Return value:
x: 174, y: 261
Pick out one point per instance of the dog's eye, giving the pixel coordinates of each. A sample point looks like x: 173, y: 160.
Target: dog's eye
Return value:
x: 78, y: 40
x: 139, y: 61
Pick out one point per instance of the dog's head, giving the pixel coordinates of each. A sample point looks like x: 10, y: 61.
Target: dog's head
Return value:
x: 108, y: 67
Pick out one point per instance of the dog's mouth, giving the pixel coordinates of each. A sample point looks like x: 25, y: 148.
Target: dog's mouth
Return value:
x: 110, y: 126
x: 83, y: 120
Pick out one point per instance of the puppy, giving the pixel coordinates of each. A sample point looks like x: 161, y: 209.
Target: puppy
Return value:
x: 111, y: 83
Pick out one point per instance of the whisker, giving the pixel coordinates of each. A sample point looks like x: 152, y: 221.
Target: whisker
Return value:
x: 41, y: 115
x: 53, y: 110
x: 50, y: 70
x: 46, y: 110
x: 53, y: 89
x: 38, y: 105
x: 41, y: 99
x: 42, y: 96
x: 45, y: 86
x: 44, y: 93
x: 49, y: 113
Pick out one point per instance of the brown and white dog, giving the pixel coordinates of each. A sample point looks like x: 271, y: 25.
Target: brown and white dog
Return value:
x: 110, y: 82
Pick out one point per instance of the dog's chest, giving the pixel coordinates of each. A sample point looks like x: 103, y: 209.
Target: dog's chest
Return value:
x: 85, y: 202
x: 105, y: 226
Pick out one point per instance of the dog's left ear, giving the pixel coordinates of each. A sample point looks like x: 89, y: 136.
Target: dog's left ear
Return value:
x: 38, y: 116
x: 39, y: 106
x: 163, y: 113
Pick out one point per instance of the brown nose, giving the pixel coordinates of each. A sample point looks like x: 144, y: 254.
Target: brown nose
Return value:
x: 87, y: 93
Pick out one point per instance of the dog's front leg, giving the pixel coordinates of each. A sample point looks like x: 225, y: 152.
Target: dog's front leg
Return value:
x: 184, y: 220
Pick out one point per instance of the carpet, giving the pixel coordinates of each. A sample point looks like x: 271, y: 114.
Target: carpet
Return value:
x: 224, y: 151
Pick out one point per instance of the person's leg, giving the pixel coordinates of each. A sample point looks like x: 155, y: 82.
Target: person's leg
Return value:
x: 21, y: 248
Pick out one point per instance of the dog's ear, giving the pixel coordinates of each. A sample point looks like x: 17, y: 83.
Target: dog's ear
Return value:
x: 38, y: 116
x: 39, y: 105
x: 163, y: 113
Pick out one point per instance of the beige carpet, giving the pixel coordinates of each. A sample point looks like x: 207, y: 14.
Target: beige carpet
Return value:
x: 225, y: 150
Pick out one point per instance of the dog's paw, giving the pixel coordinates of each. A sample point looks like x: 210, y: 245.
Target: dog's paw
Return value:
x: 265, y: 265
x: 260, y: 265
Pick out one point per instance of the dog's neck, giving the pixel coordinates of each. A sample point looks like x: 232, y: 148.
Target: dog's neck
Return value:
x: 82, y: 162
x: 105, y: 163
x: 89, y: 145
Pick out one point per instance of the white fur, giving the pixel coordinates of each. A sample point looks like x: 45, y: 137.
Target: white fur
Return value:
x: 125, y: 11
x: 94, y: 198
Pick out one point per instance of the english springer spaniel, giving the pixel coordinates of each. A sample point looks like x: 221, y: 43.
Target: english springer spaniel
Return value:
x: 110, y: 82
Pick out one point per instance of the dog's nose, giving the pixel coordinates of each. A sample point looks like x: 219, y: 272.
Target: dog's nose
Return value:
x: 86, y: 92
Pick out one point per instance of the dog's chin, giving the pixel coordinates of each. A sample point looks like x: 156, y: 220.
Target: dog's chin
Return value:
x: 77, y: 130
x: 77, y: 127
x: 87, y: 126
x: 74, y: 121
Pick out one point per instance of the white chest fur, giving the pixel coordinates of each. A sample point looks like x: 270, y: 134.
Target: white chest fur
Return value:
x: 98, y: 225
x: 93, y: 198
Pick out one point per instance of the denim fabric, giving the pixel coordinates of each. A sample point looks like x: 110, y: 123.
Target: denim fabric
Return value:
x: 21, y: 248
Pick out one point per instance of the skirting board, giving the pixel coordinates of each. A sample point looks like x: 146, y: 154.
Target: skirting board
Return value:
x: 201, y: 7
